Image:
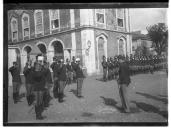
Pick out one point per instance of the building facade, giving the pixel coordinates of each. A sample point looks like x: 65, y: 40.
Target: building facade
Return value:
x: 85, y: 33
x: 139, y: 40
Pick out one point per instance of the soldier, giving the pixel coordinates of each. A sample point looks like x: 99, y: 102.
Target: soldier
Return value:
x: 28, y: 69
x: 62, y: 80
x: 47, y: 97
x: 104, y: 65
x: 109, y: 65
x: 16, y: 81
x: 152, y: 62
x: 123, y: 83
x: 69, y: 71
x: 114, y: 67
x: 73, y: 64
x: 39, y: 82
x: 55, y: 68
x: 80, y: 78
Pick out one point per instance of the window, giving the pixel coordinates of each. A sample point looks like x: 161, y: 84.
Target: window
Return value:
x: 100, y: 16
x: 14, y: 29
x: 54, y: 19
x: 38, y: 21
x: 25, y: 25
x: 120, y: 22
x: 120, y: 17
x: 121, y: 47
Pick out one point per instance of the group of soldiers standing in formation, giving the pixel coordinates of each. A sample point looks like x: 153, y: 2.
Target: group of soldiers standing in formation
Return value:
x: 38, y: 81
x: 137, y: 64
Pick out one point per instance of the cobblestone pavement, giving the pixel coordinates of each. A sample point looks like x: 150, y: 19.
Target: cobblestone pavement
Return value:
x: 101, y: 102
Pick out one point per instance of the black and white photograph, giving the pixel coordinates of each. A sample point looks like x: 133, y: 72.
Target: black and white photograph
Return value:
x: 86, y: 65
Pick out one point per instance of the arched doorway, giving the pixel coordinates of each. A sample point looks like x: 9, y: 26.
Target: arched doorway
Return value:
x: 25, y: 55
x: 42, y: 48
x: 56, y: 49
x: 101, y: 50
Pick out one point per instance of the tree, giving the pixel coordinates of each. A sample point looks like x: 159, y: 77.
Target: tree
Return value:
x: 142, y: 50
x: 158, y: 34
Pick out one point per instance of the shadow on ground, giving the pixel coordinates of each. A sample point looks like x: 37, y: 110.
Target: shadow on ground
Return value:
x: 101, y: 79
x: 113, y: 103
x: 74, y: 92
x: 87, y: 114
x: 162, y: 99
x: 150, y: 108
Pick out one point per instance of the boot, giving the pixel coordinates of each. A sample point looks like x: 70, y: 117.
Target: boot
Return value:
x: 14, y: 98
x: 28, y: 100
x: 17, y: 96
x: 60, y: 99
x: 38, y: 113
x: 32, y: 98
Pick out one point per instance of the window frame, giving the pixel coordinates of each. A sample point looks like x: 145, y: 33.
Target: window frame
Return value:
x: 35, y: 20
x: 12, y: 28
x: 50, y: 19
x: 122, y: 18
x: 23, y: 27
x: 104, y: 13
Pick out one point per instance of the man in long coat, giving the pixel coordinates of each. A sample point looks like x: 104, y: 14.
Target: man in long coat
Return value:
x: 123, y: 82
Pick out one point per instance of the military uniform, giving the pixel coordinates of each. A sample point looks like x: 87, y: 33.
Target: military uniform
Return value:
x: 123, y: 82
x: 109, y: 65
x: 69, y: 73
x: 80, y: 78
x: 73, y: 64
x: 29, y: 87
x: 62, y: 80
x: 104, y: 65
x: 39, y: 83
x: 55, y: 68
x: 16, y: 81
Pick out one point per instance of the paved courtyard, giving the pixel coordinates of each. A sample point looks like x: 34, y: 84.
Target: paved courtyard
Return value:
x: 101, y: 103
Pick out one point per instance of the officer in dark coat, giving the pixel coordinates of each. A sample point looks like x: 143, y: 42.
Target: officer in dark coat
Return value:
x: 16, y: 81
x: 28, y: 69
x: 80, y: 78
x: 123, y: 82
x: 109, y: 65
x: 47, y: 97
x: 73, y: 64
x: 105, y: 67
x: 62, y: 79
x: 39, y: 83
x: 69, y: 71
x: 55, y: 68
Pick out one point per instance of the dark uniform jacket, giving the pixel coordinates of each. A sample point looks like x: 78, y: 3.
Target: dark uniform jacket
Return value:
x: 104, y: 64
x: 73, y: 64
x: 39, y: 80
x: 28, y: 74
x: 48, y: 76
x: 55, y: 68
x: 15, y: 72
x: 79, y: 72
x: 62, y: 73
x: 124, y: 74
x: 69, y: 67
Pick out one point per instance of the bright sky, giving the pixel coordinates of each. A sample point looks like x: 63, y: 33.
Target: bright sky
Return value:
x: 143, y: 17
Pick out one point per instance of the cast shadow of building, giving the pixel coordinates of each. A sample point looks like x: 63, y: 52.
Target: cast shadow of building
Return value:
x: 113, y: 103
x: 150, y: 108
x: 162, y: 99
